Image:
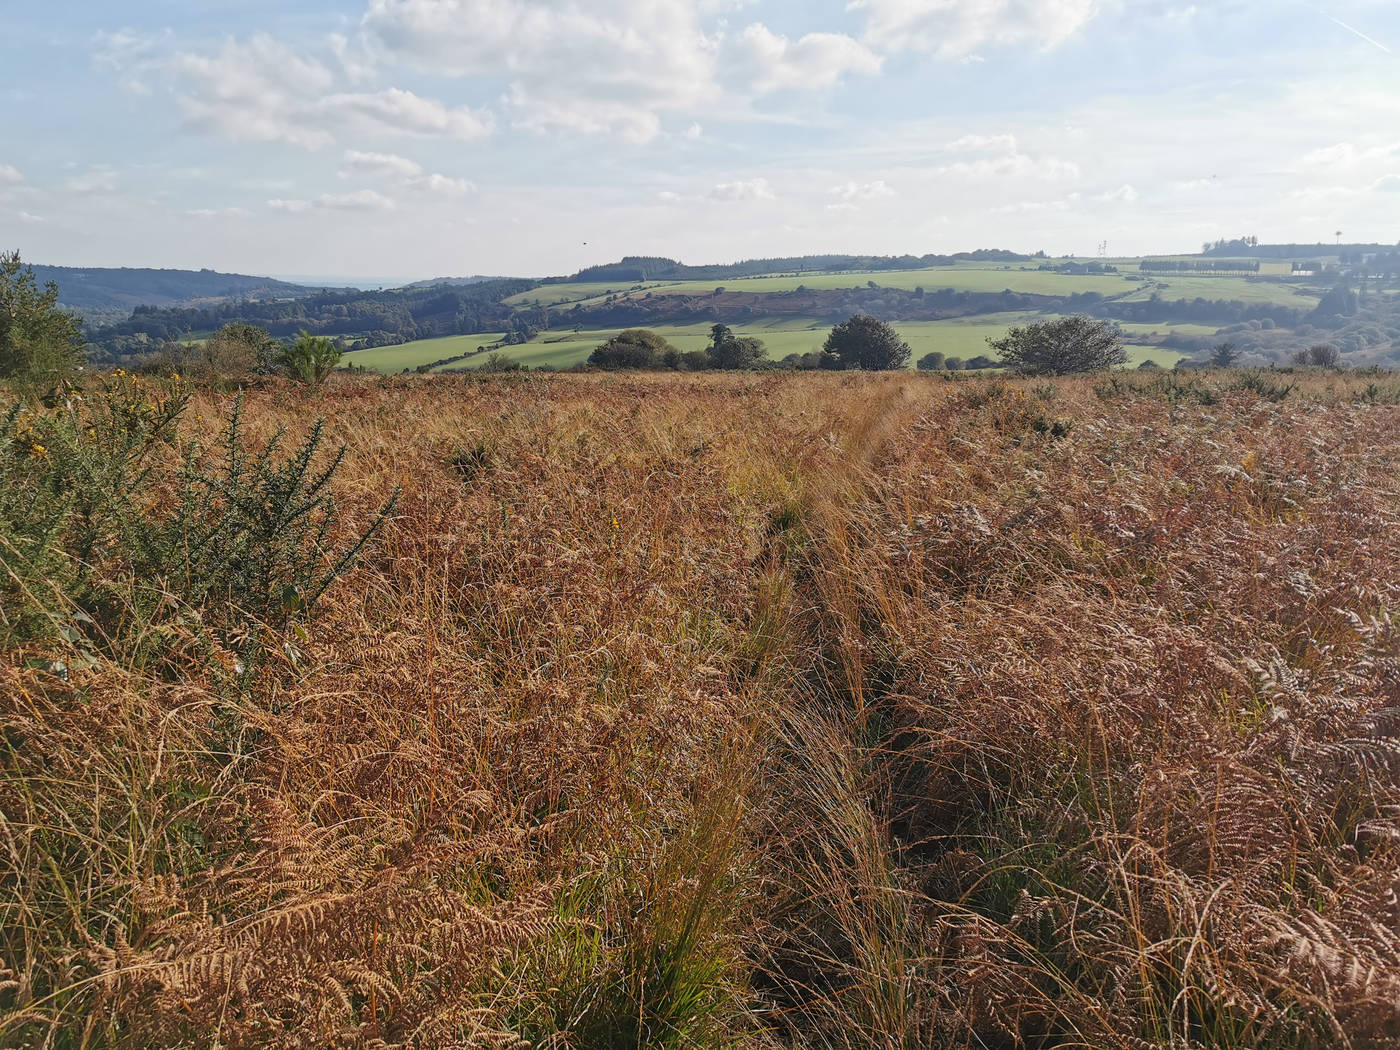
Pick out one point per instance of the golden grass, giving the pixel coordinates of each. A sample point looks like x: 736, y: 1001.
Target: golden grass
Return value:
x: 814, y: 710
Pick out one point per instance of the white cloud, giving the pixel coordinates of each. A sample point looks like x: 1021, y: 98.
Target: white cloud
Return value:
x: 261, y: 90
x: 378, y: 165
x: 1012, y: 165
x: 744, y: 190
x: 956, y: 29
x: 767, y: 61
x: 693, y: 132
x: 983, y: 144
x: 360, y: 200
x: 592, y: 66
x: 1348, y: 155
x: 30, y: 219
x: 856, y: 191
x: 9, y: 175
x: 219, y: 213
x: 1122, y: 195
x: 1387, y: 184
x: 399, y: 112
x: 668, y: 197
x: 444, y: 185
x: 93, y: 182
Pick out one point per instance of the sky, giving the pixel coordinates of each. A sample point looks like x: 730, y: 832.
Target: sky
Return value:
x: 407, y: 139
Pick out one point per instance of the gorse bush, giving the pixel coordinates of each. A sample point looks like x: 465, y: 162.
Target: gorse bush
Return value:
x: 107, y: 517
x: 311, y: 358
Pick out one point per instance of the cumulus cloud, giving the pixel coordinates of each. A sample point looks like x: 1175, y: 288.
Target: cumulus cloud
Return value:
x: 955, y: 29
x: 1012, y: 165
x: 857, y: 191
x: 1387, y: 184
x: 983, y: 144
x: 388, y: 165
x: 1347, y: 155
x: 403, y: 171
x: 1122, y: 195
x: 9, y: 175
x: 444, y: 185
x: 261, y: 90
x: 643, y: 61
x: 767, y: 61
x: 360, y: 200
x: 744, y: 190
x: 639, y: 60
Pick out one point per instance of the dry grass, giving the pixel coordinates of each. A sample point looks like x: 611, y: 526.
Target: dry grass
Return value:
x: 818, y: 710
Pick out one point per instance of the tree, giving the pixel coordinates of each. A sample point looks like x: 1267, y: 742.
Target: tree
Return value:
x: 632, y: 348
x: 39, y: 343
x: 954, y: 364
x: 1224, y: 355
x: 867, y: 343
x: 733, y: 352
x: 982, y: 361
x: 1319, y: 355
x: 932, y: 362
x: 311, y: 358
x: 1062, y: 346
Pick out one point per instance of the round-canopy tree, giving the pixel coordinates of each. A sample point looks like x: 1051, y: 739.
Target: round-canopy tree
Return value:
x: 867, y: 343
x: 39, y: 343
x: 633, y: 348
x: 1062, y: 346
x: 731, y: 351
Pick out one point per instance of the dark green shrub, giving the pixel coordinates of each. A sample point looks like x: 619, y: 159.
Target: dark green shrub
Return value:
x: 109, y: 523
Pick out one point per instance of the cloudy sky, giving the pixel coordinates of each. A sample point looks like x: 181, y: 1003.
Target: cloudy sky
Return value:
x: 419, y: 138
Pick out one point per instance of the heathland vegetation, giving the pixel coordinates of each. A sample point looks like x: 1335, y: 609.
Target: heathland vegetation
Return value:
x: 750, y: 709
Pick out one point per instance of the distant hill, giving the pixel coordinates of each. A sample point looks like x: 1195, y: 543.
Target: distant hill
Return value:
x: 95, y: 291
x: 653, y: 268
x: 454, y: 282
x: 360, y: 319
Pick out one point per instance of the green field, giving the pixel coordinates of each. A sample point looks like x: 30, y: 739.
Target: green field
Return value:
x: 1022, y: 278
x: 392, y: 359
x: 554, y: 294
x: 960, y: 337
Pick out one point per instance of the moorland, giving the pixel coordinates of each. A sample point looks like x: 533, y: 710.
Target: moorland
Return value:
x: 781, y: 709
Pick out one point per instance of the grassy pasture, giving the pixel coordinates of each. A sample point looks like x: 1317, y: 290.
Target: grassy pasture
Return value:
x: 392, y: 359
x: 960, y: 337
x: 1015, y: 277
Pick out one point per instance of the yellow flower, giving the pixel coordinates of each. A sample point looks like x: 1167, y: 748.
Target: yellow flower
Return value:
x: 38, y: 450
x: 1250, y: 461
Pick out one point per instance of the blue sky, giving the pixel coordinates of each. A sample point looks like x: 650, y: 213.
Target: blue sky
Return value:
x: 417, y: 138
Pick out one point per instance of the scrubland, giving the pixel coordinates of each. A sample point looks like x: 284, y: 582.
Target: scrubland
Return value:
x: 821, y: 710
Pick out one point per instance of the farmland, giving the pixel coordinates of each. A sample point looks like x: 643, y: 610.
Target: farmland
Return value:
x: 737, y: 711
x: 961, y: 337
x: 390, y: 359
x: 1022, y: 278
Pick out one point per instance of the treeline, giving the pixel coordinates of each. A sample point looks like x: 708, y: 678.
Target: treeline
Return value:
x: 360, y: 319
x: 1231, y: 266
x: 1250, y: 248
x: 1158, y: 310
x: 860, y: 342
x: 635, y: 268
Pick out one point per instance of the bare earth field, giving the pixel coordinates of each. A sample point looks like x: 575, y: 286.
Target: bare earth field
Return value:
x: 820, y: 710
